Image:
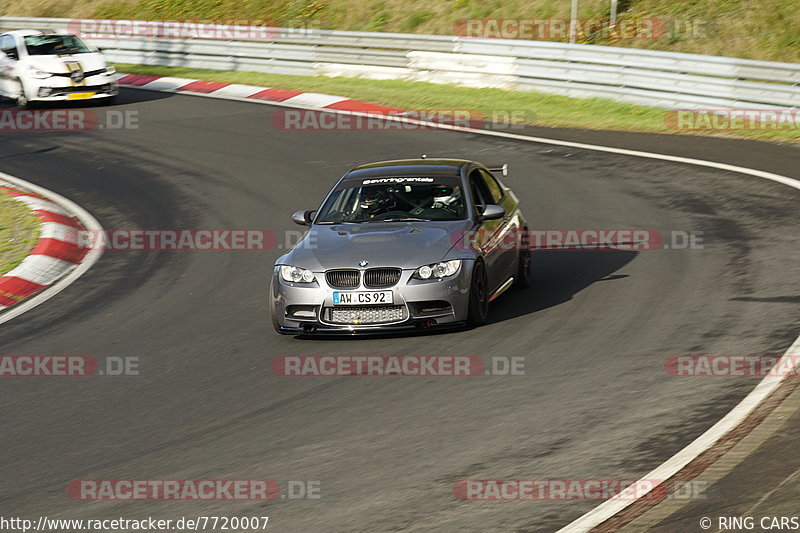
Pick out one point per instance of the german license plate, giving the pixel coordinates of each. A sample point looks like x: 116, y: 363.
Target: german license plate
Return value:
x: 363, y: 298
x: 80, y: 96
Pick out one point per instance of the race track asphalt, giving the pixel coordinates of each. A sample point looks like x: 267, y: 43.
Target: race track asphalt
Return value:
x: 595, y: 329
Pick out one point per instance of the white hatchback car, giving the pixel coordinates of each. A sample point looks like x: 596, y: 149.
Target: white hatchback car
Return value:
x: 47, y: 67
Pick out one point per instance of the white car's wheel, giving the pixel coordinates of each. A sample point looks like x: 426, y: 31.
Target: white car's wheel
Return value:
x: 21, y: 98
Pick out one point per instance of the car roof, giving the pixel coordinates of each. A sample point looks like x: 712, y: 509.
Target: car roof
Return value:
x: 23, y: 33
x: 409, y: 167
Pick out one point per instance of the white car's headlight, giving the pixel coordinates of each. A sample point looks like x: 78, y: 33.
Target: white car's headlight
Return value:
x: 440, y: 270
x: 295, y: 274
x: 111, y: 70
x: 34, y: 72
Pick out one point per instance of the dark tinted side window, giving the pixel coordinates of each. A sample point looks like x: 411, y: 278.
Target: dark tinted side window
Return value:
x: 477, y: 185
x: 494, y: 188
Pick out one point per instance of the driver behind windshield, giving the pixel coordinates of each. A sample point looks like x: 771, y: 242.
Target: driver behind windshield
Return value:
x: 43, y: 45
x: 373, y: 201
x: 393, y: 202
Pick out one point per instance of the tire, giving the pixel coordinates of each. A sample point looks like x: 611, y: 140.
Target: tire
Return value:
x: 478, y: 296
x: 21, y: 99
x: 522, y: 279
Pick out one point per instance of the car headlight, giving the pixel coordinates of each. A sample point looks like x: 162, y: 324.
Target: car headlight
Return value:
x: 437, y: 270
x: 111, y: 70
x: 295, y: 274
x: 34, y: 72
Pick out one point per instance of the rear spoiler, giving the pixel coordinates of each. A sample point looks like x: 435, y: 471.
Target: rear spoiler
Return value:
x: 503, y: 169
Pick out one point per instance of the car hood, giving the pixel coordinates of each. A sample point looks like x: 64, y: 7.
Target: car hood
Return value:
x: 407, y: 245
x: 57, y: 65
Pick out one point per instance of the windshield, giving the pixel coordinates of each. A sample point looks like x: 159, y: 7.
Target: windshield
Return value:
x: 401, y: 199
x: 50, y: 45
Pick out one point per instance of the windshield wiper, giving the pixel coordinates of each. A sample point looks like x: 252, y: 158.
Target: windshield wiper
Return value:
x: 404, y: 219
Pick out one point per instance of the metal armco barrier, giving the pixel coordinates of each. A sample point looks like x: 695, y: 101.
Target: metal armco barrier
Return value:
x: 645, y: 77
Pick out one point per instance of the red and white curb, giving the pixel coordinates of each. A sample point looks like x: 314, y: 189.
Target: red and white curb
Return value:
x: 57, y: 259
x: 235, y: 91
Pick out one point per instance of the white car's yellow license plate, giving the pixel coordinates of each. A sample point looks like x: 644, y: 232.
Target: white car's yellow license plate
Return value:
x: 80, y: 96
x: 363, y: 298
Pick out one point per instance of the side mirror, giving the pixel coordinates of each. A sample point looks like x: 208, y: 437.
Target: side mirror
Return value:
x: 491, y: 212
x: 303, y: 217
x: 12, y: 54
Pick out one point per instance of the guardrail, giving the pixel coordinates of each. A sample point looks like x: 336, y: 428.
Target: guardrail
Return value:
x: 646, y: 77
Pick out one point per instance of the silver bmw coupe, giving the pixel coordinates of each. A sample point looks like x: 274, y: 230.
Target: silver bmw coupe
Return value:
x: 401, y: 245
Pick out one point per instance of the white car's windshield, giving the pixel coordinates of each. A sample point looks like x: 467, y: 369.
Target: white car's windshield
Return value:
x: 49, y: 45
x: 439, y: 199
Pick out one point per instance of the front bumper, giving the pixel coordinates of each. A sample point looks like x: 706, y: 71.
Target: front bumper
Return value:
x: 299, y: 308
x: 322, y: 330
x: 60, y: 89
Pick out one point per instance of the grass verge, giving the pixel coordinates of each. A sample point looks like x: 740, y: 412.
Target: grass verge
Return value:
x: 756, y: 29
x: 19, y: 232
x: 531, y: 108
